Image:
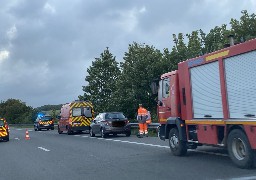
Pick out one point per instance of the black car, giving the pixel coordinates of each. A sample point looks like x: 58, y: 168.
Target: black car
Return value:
x: 110, y: 123
x: 43, y: 122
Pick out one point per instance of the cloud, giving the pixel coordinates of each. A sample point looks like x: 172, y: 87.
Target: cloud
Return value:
x: 47, y: 45
x: 4, y: 55
x: 49, y: 8
x: 12, y: 32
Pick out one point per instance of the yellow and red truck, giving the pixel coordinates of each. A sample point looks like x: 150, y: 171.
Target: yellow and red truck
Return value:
x: 211, y: 100
x: 75, y: 117
x: 4, y: 129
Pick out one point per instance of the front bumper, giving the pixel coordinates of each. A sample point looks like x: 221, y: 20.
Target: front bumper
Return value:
x: 46, y: 126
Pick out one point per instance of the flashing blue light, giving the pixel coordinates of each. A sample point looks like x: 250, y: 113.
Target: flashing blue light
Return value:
x: 40, y: 115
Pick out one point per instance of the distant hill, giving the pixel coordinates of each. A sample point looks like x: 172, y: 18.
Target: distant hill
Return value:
x: 48, y: 107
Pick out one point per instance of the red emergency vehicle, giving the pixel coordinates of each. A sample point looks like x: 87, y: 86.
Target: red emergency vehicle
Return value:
x: 211, y: 100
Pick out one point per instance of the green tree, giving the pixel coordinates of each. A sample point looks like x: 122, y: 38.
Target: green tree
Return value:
x: 101, y: 78
x: 245, y: 29
x: 16, y: 111
x: 216, y: 39
x: 194, y: 45
x: 142, y: 63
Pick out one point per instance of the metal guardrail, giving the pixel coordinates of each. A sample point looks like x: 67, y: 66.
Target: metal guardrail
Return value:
x: 133, y: 125
x: 150, y: 126
x: 22, y: 125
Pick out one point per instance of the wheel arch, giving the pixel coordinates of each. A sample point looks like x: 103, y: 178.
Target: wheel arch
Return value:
x: 233, y: 127
x: 176, y: 122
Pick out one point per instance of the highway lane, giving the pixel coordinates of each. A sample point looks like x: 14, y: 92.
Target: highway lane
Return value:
x: 48, y: 155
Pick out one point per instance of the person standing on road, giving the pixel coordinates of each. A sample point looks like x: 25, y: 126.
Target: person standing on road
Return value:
x: 142, y: 118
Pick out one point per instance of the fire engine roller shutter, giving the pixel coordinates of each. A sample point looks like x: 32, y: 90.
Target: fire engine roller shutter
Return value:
x: 206, y: 94
x: 240, y: 74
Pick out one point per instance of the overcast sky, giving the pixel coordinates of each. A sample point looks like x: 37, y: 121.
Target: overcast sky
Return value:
x: 46, y: 46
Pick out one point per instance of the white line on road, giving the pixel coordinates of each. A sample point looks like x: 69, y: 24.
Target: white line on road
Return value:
x: 77, y: 135
x: 47, y: 150
x: 17, y: 138
x: 160, y: 146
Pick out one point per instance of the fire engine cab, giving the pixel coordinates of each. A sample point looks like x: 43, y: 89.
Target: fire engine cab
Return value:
x: 211, y: 100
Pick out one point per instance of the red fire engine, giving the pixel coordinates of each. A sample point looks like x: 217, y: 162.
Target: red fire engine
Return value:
x: 211, y: 100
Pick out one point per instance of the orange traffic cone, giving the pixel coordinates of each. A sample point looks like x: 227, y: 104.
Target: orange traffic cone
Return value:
x: 27, y: 135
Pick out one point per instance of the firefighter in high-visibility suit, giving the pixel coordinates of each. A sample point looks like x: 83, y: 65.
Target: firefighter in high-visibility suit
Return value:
x: 142, y: 118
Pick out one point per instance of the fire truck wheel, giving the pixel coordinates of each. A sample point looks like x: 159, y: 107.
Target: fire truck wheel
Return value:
x: 59, y: 131
x: 239, y: 149
x: 178, y: 147
x: 91, y: 133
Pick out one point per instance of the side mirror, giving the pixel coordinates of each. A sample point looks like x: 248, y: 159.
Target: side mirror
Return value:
x: 154, y: 87
x: 160, y: 103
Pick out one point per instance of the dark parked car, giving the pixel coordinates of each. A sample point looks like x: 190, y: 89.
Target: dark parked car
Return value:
x: 110, y: 123
x: 43, y: 122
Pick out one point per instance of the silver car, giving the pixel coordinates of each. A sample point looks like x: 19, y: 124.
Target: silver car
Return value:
x: 110, y: 123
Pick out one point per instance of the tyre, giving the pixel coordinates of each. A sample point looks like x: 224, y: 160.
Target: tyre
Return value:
x: 128, y: 134
x: 59, y: 131
x: 177, y: 146
x: 239, y: 149
x: 7, y: 138
x: 35, y: 128
x: 102, y: 134
x: 91, y: 133
x: 69, y: 131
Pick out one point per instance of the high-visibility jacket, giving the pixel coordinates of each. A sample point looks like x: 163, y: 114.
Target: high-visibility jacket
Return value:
x: 142, y: 115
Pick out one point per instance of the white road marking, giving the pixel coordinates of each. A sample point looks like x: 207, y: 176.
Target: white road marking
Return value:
x: 77, y: 135
x: 160, y: 146
x: 44, y: 149
x: 242, y: 178
x: 17, y: 138
x: 30, y: 130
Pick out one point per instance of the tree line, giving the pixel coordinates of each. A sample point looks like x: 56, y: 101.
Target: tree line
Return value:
x: 113, y: 85
x: 17, y: 112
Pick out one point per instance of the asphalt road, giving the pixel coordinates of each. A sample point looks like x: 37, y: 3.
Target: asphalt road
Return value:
x: 48, y: 155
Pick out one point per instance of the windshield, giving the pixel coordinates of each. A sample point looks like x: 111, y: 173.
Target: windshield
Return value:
x: 1, y: 122
x: 87, y: 112
x: 46, y: 118
x: 115, y: 116
x: 76, y: 112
